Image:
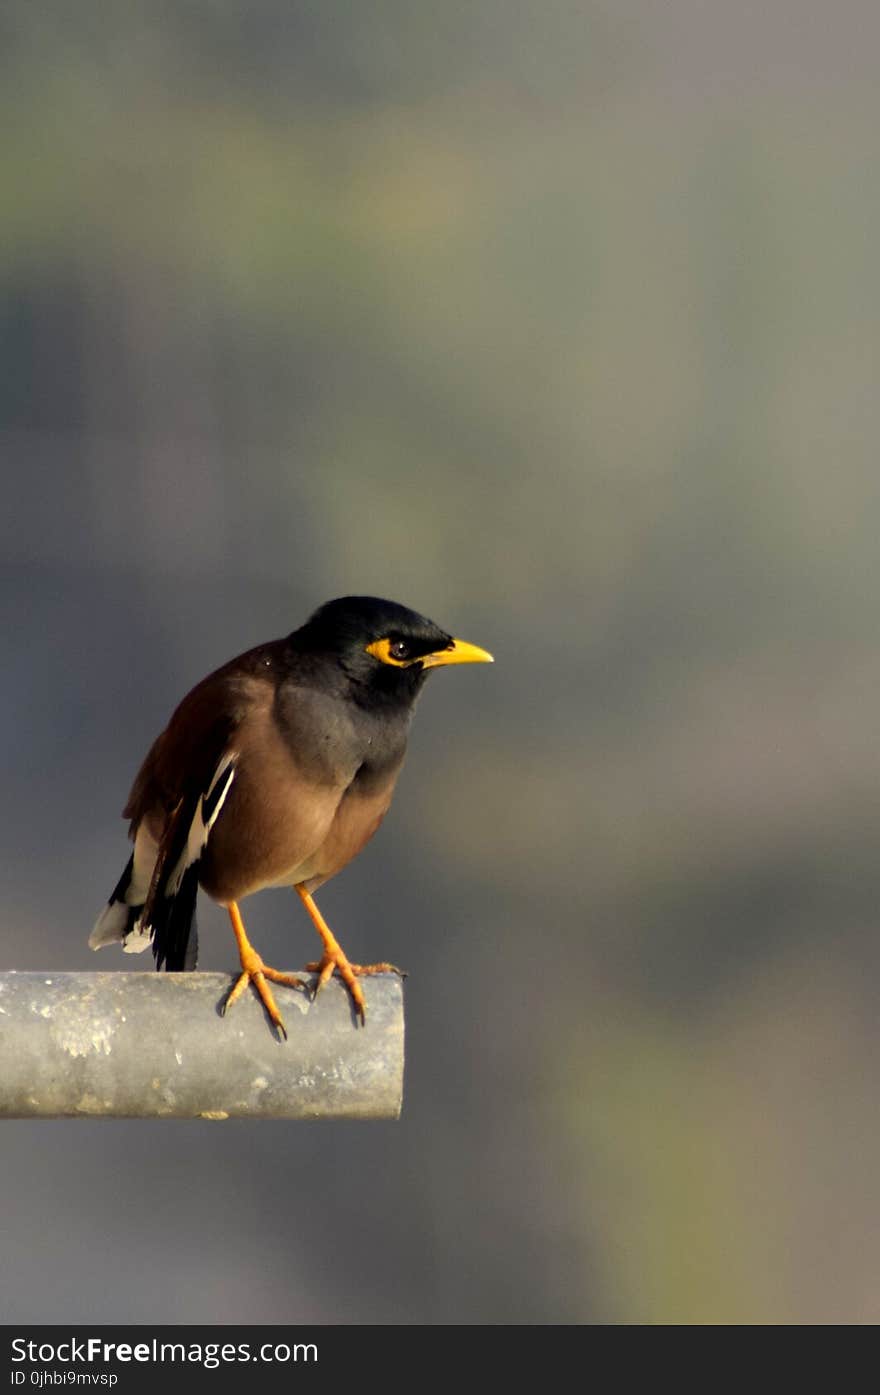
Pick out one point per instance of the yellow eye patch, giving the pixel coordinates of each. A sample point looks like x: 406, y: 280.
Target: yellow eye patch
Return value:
x: 384, y: 649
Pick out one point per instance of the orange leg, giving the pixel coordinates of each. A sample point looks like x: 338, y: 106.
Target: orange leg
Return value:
x: 256, y: 972
x: 334, y: 957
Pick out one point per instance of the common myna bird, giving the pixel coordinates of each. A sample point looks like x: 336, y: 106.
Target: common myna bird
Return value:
x: 275, y: 771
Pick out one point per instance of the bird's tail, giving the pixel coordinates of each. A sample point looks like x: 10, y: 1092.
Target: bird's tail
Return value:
x: 173, y: 927
x: 120, y: 921
x: 151, y: 908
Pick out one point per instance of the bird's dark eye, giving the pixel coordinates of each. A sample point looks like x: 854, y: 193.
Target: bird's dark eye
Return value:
x: 398, y: 649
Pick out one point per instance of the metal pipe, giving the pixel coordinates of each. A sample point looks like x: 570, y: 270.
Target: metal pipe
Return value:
x: 148, y: 1045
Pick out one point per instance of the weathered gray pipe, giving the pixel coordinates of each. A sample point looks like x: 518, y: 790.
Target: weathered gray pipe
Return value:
x: 148, y: 1045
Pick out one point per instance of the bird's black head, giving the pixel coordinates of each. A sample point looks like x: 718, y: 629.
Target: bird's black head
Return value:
x: 383, y: 648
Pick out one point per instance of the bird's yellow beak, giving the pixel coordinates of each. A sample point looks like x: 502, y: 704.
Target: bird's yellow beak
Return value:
x: 458, y: 652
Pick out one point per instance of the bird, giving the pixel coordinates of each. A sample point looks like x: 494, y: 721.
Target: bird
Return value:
x: 275, y: 770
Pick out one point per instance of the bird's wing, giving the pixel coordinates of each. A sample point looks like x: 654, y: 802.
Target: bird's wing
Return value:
x: 177, y: 797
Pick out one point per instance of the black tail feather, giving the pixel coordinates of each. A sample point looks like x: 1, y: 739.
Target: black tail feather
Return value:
x: 173, y: 925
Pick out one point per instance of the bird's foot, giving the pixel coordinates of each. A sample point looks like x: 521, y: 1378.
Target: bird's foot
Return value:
x: 336, y: 959
x: 256, y: 972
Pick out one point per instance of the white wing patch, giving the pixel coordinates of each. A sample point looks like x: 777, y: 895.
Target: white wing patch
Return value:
x: 206, y: 815
x: 212, y: 802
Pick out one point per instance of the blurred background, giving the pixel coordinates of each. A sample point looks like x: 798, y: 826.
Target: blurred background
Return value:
x: 558, y: 322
